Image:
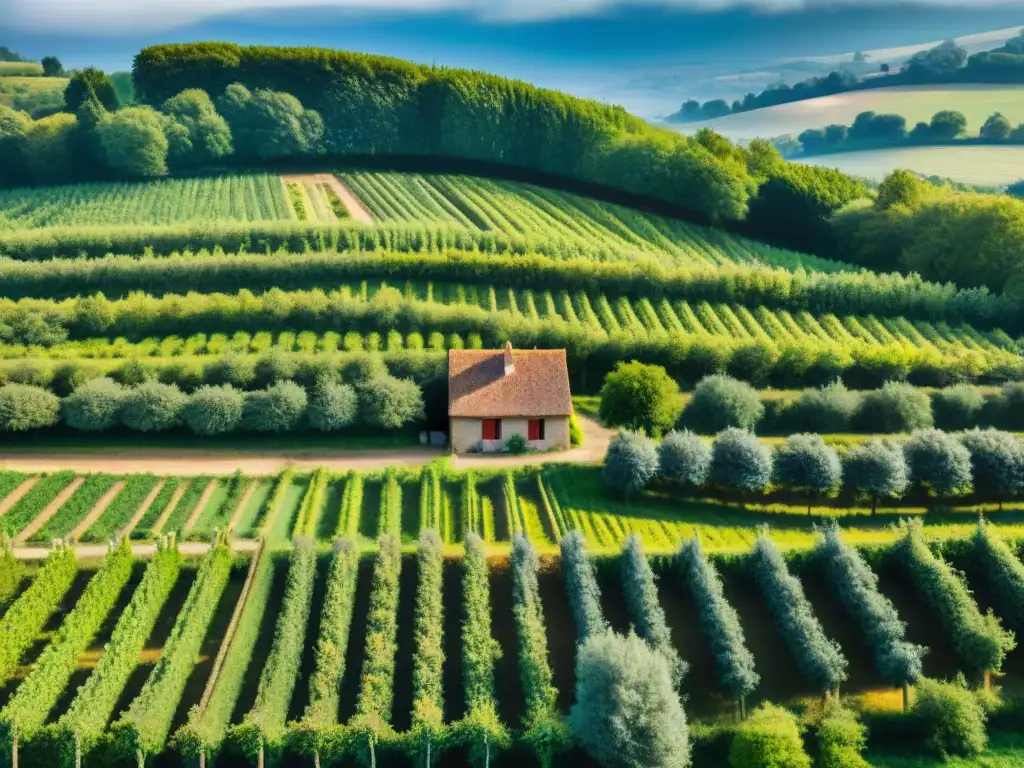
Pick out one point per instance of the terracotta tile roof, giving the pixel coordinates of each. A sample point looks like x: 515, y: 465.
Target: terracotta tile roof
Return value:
x: 478, y: 386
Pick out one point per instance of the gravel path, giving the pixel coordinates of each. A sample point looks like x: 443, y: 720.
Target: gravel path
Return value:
x: 86, y: 551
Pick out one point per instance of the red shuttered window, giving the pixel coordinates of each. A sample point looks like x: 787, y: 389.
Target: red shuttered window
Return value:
x: 492, y: 429
x: 535, y: 429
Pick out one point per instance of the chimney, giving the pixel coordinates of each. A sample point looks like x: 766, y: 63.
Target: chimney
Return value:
x: 510, y: 365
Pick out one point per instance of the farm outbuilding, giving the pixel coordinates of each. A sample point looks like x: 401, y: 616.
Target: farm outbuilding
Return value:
x: 494, y: 394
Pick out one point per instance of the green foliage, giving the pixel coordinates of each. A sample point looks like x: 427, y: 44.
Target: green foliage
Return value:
x: 268, y: 124
x: 876, y: 469
x: 11, y: 571
x: 734, y: 663
x: 95, y: 405
x: 979, y: 639
x: 937, y: 462
x: 631, y: 462
x: 805, y: 464
x: 639, y: 397
x: 841, y: 739
x: 278, y: 408
x: 479, y: 649
x: 390, y: 403
x: 23, y: 408
x: 378, y: 675
x: 90, y: 83
x: 14, y: 126
x: 830, y: 409
x: 1004, y: 573
x: 581, y: 587
x: 26, y: 711
x: 575, y: 431
x: 515, y: 444
x: 739, y: 461
x: 428, y: 660
x: 644, y: 606
x: 952, y: 717
x: 153, y: 407
x: 332, y: 406
x: 214, y: 410
x: 721, y: 402
x: 855, y: 586
x: 685, y: 458
x: 997, y: 462
x: 47, y: 149
x: 195, y: 132
x: 896, y: 407
x: 29, y: 506
x: 957, y: 407
x: 627, y: 713
x: 769, y: 738
x: 76, y: 508
x: 134, y: 141
x: 27, y: 615
x: 820, y: 659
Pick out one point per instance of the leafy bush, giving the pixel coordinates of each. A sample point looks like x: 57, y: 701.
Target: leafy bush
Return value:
x: 637, y: 397
x: 740, y: 461
x: 806, y: 465
x: 820, y: 659
x: 957, y: 407
x: 278, y: 408
x: 830, y: 409
x: 515, y: 444
x: 575, y: 431
x: 627, y: 712
x: 631, y: 462
x: 23, y: 407
x: 979, y: 640
x: 641, y: 594
x: 769, y: 738
x: 896, y: 407
x: 841, y: 739
x: 719, y: 621
x: 952, y: 717
x: 390, y: 403
x: 332, y: 406
x: 581, y: 587
x: 95, y: 405
x: 153, y: 407
x: 685, y: 458
x: 876, y: 469
x: 937, y: 462
x: 720, y: 402
x: 1004, y: 573
x: 855, y: 586
x: 1009, y: 405
x: 214, y: 410
x: 997, y: 463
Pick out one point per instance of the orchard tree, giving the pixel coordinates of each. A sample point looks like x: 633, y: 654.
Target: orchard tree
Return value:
x: 996, y: 128
x: 196, y: 134
x: 627, y: 713
x: 24, y: 407
x: 957, y: 407
x: 740, y: 461
x: 90, y: 82
x: 153, y: 407
x: 997, y: 463
x: 685, y: 458
x: 631, y: 462
x: 769, y: 738
x: 95, y: 405
x: 896, y: 407
x: 938, y: 462
x: 877, y: 470
x: 720, y: 402
x: 278, y: 408
x: 332, y: 406
x: 214, y: 410
x: 135, y: 143
x: 638, y: 396
x: 806, y: 465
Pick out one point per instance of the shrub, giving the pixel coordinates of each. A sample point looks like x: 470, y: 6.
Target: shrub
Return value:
x: 214, y: 410
x: 1004, y: 574
x: 515, y: 444
x: 23, y: 408
x: 332, y: 406
x: 639, y: 397
x: 278, y: 408
x: 581, y: 587
x: 957, y: 407
x: 830, y: 409
x: 953, y: 719
x: 740, y: 461
x: 1009, y: 405
x: 720, y: 402
x: 937, y: 462
x: 575, y: 431
x: 95, y: 405
x: 153, y: 407
x: 390, y: 403
x: 841, y: 739
x: 627, y: 712
x: 685, y: 458
x: 769, y: 738
x: 806, y: 465
x: 997, y: 463
x: 877, y: 469
x: 236, y: 370
x: 631, y: 462
x: 896, y: 407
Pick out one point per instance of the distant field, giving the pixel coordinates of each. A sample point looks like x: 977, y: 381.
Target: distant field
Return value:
x: 34, y: 83
x: 10, y: 68
x: 988, y: 166
x: 915, y: 103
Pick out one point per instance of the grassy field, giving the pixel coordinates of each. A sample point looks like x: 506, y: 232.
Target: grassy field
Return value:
x: 915, y: 103
x: 985, y: 166
x: 20, y: 69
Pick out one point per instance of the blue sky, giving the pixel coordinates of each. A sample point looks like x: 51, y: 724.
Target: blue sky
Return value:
x: 559, y: 43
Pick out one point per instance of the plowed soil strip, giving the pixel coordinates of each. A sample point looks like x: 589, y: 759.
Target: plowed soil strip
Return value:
x: 175, y: 498
x: 96, y: 511
x: 51, y: 509
x: 141, y: 511
x: 16, y: 495
x: 242, y: 504
x: 203, y: 501
x: 356, y: 209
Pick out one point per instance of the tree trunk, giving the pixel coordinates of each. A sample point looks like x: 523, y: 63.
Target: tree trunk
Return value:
x: 874, y: 505
x: 78, y: 751
x: 316, y: 758
x: 14, y: 747
x: 988, y: 681
x: 202, y: 759
x: 140, y: 759
x: 906, y: 697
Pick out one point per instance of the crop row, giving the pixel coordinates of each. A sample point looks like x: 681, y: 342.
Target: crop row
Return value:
x: 29, y: 506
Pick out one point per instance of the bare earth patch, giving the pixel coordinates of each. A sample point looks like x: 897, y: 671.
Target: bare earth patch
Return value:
x: 356, y: 209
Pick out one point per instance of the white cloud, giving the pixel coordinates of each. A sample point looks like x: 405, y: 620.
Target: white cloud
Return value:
x: 118, y: 16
